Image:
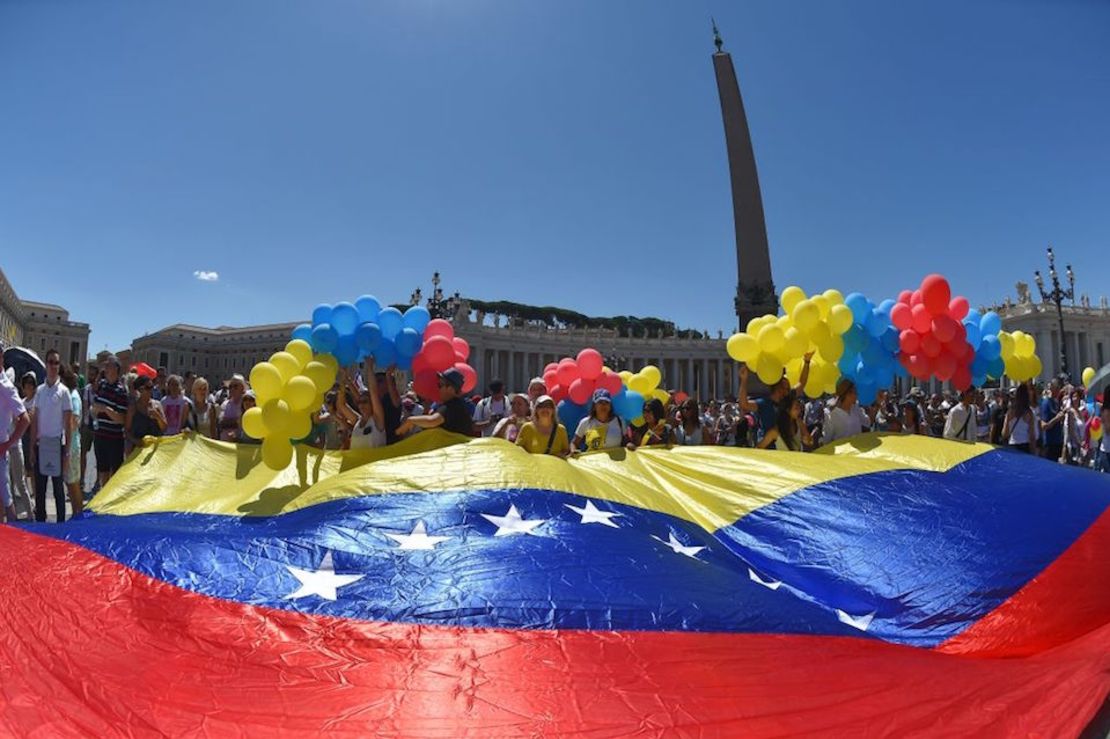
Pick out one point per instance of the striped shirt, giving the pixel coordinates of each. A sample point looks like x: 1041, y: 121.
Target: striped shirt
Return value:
x: 113, y: 395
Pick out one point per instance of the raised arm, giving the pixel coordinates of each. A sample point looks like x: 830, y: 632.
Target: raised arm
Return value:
x: 742, y: 401
x: 375, y: 401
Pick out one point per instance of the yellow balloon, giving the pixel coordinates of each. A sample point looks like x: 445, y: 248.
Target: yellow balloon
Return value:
x: 1088, y: 375
x: 653, y: 375
x: 277, y: 416
x: 640, y: 384
x: 834, y: 296
x: 266, y: 382
x: 286, y: 364
x: 301, y: 426
x: 795, y: 343
x: 1026, y: 345
x: 253, y: 423
x: 813, y: 387
x: 1035, y: 366
x: 807, y: 315
x: 791, y: 296
x: 1007, y: 343
x: 742, y: 347
x: 822, y: 305
x: 277, y: 452
x: 626, y: 376
x: 329, y: 361
x: 794, y: 370
x: 784, y: 322
x: 832, y: 349
x: 321, y: 377
x: 662, y: 395
x: 771, y: 338
x: 300, y: 394
x: 840, y: 318
x: 300, y: 350
x: 769, y: 369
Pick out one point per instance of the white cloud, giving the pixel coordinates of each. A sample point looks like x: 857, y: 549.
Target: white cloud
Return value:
x: 204, y: 276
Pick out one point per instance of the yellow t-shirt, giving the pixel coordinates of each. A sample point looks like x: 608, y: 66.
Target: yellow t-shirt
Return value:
x: 536, y: 443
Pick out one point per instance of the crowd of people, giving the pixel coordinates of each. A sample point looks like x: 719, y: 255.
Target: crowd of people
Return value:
x: 49, y: 428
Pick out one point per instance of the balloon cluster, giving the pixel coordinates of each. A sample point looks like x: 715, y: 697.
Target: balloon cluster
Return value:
x: 1019, y: 352
x: 1087, y: 376
x: 870, y: 347
x: 774, y: 344
x: 571, y: 383
x: 441, y: 350
x: 287, y: 388
x: 353, y: 331
x: 933, y: 339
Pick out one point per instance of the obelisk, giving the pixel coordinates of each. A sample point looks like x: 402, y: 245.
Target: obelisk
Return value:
x: 755, y: 290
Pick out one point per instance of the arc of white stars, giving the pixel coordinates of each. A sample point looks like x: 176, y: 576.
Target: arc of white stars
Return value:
x: 592, y: 514
x: 322, y: 582
x: 511, y: 523
x: 678, y: 547
x: 418, y: 539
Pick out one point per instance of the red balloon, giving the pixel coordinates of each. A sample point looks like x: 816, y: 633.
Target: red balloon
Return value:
x: 961, y: 380
x: 144, y: 370
x: 550, y: 379
x: 945, y: 367
x: 611, y: 381
x: 439, y: 352
x: 590, y: 364
x: 922, y: 321
x: 680, y: 397
x: 568, y: 372
x: 557, y: 393
x: 935, y: 294
x: 905, y: 296
x: 470, y: 377
x: 581, y: 390
x: 944, y: 328
x: 958, y: 308
x: 915, y: 298
x: 901, y: 315
x: 918, y: 366
x: 961, y: 332
x: 550, y: 367
x: 426, y: 384
x: 930, y: 346
x: 1096, y: 424
x: 419, y: 364
x: 438, y: 327
x: 462, y: 349
x: 909, y: 341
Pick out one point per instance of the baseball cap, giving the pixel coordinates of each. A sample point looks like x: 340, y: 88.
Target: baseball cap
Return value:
x: 452, y: 377
x: 601, y: 395
x: 545, y: 399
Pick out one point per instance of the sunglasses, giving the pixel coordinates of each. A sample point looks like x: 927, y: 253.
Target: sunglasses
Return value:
x: 54, y: 362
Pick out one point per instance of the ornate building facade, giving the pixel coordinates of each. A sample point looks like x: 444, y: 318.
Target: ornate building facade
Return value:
x: 40, y: 326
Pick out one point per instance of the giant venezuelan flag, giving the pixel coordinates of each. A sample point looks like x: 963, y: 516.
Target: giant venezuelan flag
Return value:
x: 887, y: 586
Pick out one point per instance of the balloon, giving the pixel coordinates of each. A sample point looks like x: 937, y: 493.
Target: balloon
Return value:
x: 300, y: 427
x: 610, y: 381
x: 303, y: 332
x: 1006, y: 341
x: 640, y: 384
x: 426, y: 385
x: 567, y: 372
x: 905, y: 296
x: 918, y: 366
x: 557, y: 393
x: 833, y: 297
x: 930, y: 346
x: 915, y: 298
x: 266, y: 381
x: 944, y: 367
x: 935, y: 294
x: 589, y: 365
x: 277, y: 452
x: 367, y: 336
x: 996, y: 368
x: 439, y: 353
x: 854, y: 340
x: 990, y: 347
x: 1088, y: 375
x: 286, y: 364
x: 743, y: 347
x: 629, y: 405
x: 438, y: 327
x: 795, y: 344
x: 470, y: 377
x: 890, y: 341
x: 276, y: 415
x: 626, y: 376
x: 253, y: 424
x: 1024, y: 344
x: 653, y: 375
x: 990, y: 324
x: 944, y: 328
x: 909, y: 341
x: 329, y: 361
x: 859, y: 307
x: 661, y: 395
x: 771, y: 338
x: 840, y: 318
x: 408, y: 342
x: 769, y: 369
x: 961, y: 380
x: 876, y: 323
x: 417, y: 318
x: 324, y: 339
x: 321, y: 314
x: 462, y: 349
x: 832, y: 348
x: 368, y: 308
x: 346, y: 351
x: 300, y: 394
x: 402, y: 361
x: 972, y: 333
x: 959, y: 307
x: 391, y: 322
x: 550, y: 367
x: 300, y: 350
x: 581, y: 390
x: 385, y: 354
x: 806, y: 315
x: 866, y: 392
x: 922, y: 322
x: 570, y: 414
x: 791, y: 296
x: 901, y: 316
x: 322, y: 378
x: 551, y: 379
x: 823, y: 306
x: 344, y: 318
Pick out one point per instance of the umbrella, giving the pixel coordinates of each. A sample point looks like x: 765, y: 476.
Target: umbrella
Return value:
x: 22, y: 361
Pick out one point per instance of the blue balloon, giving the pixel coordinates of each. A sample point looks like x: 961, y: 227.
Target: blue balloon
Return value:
x: 886, y: 305
x: 571, y: 414
x: 859, y: 306
x: 990, y: 324
x: 391, y: 322
x: 408, y: 342
x: 884, y: 375
x: 403, y: 362
x: 385, y: 353
x: 996, y: 368
x: 417, y: 318
x: 631, y: 405
x: 979, y: 365
x: 990, y: 347
x: 303, y: 332
x: 367, y: 336
x: 877, y: 323
x: 900, y: 370
x: 321, y: 314
x: 847, y: 364
x: 974, y: 334
x: 324, y: 339
x: 368, y: 309
x: 873, y: 354
x: 346, y: 351
x: 855, y: 338
x: 890, y: 341
x: 866, y: 392
x: 344, y: 319
x: 978, y: 380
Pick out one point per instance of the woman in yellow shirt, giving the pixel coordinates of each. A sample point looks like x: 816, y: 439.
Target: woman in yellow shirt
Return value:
x: 544, y: 434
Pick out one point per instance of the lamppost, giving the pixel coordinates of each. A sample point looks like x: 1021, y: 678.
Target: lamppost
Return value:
x: 1057, y: 295
x: 437, y: 306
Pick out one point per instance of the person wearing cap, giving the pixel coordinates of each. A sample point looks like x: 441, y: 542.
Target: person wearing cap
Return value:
x: 845, y: 418
x: 520, y: 409
x: 232, y: 409
x: 536, y: 389
x: 544, y: 434
x: 14, y: 421
x: 601, y: 429
x: 146, y: 417
x: 451, y: 414
x: 491, y: 409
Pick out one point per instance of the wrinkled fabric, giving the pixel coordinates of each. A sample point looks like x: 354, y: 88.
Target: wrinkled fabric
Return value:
x: 888, y: 585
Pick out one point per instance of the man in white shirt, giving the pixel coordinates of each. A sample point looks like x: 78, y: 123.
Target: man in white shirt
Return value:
x: 845, y: 418
x: 491, y: 409
x: 50, y: 414
x: 961, y: 422
x: 13, y: 422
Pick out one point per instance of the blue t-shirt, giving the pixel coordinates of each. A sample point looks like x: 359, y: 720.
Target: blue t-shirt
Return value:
x: 1055, y: 435
x: 767, y: 414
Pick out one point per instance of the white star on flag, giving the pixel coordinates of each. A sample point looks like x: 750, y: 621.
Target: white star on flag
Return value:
x: 322, y: 581
x: 592, y: 514
x: 856, y: 622
x: 512, y: 523
x: 418, y: 539
x: 679, y: 547
x: 772, y: 584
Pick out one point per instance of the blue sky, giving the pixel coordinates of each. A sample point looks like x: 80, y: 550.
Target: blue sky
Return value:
x: 566, y: 153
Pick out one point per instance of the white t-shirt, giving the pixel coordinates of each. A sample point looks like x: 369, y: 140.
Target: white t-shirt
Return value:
x: 51, y: 403
x: 367, y: 435
x: 600, y: 435
x: 490, y: 409
x: 11, y: 406
x: 955, y: 422
x: 840, y: 424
